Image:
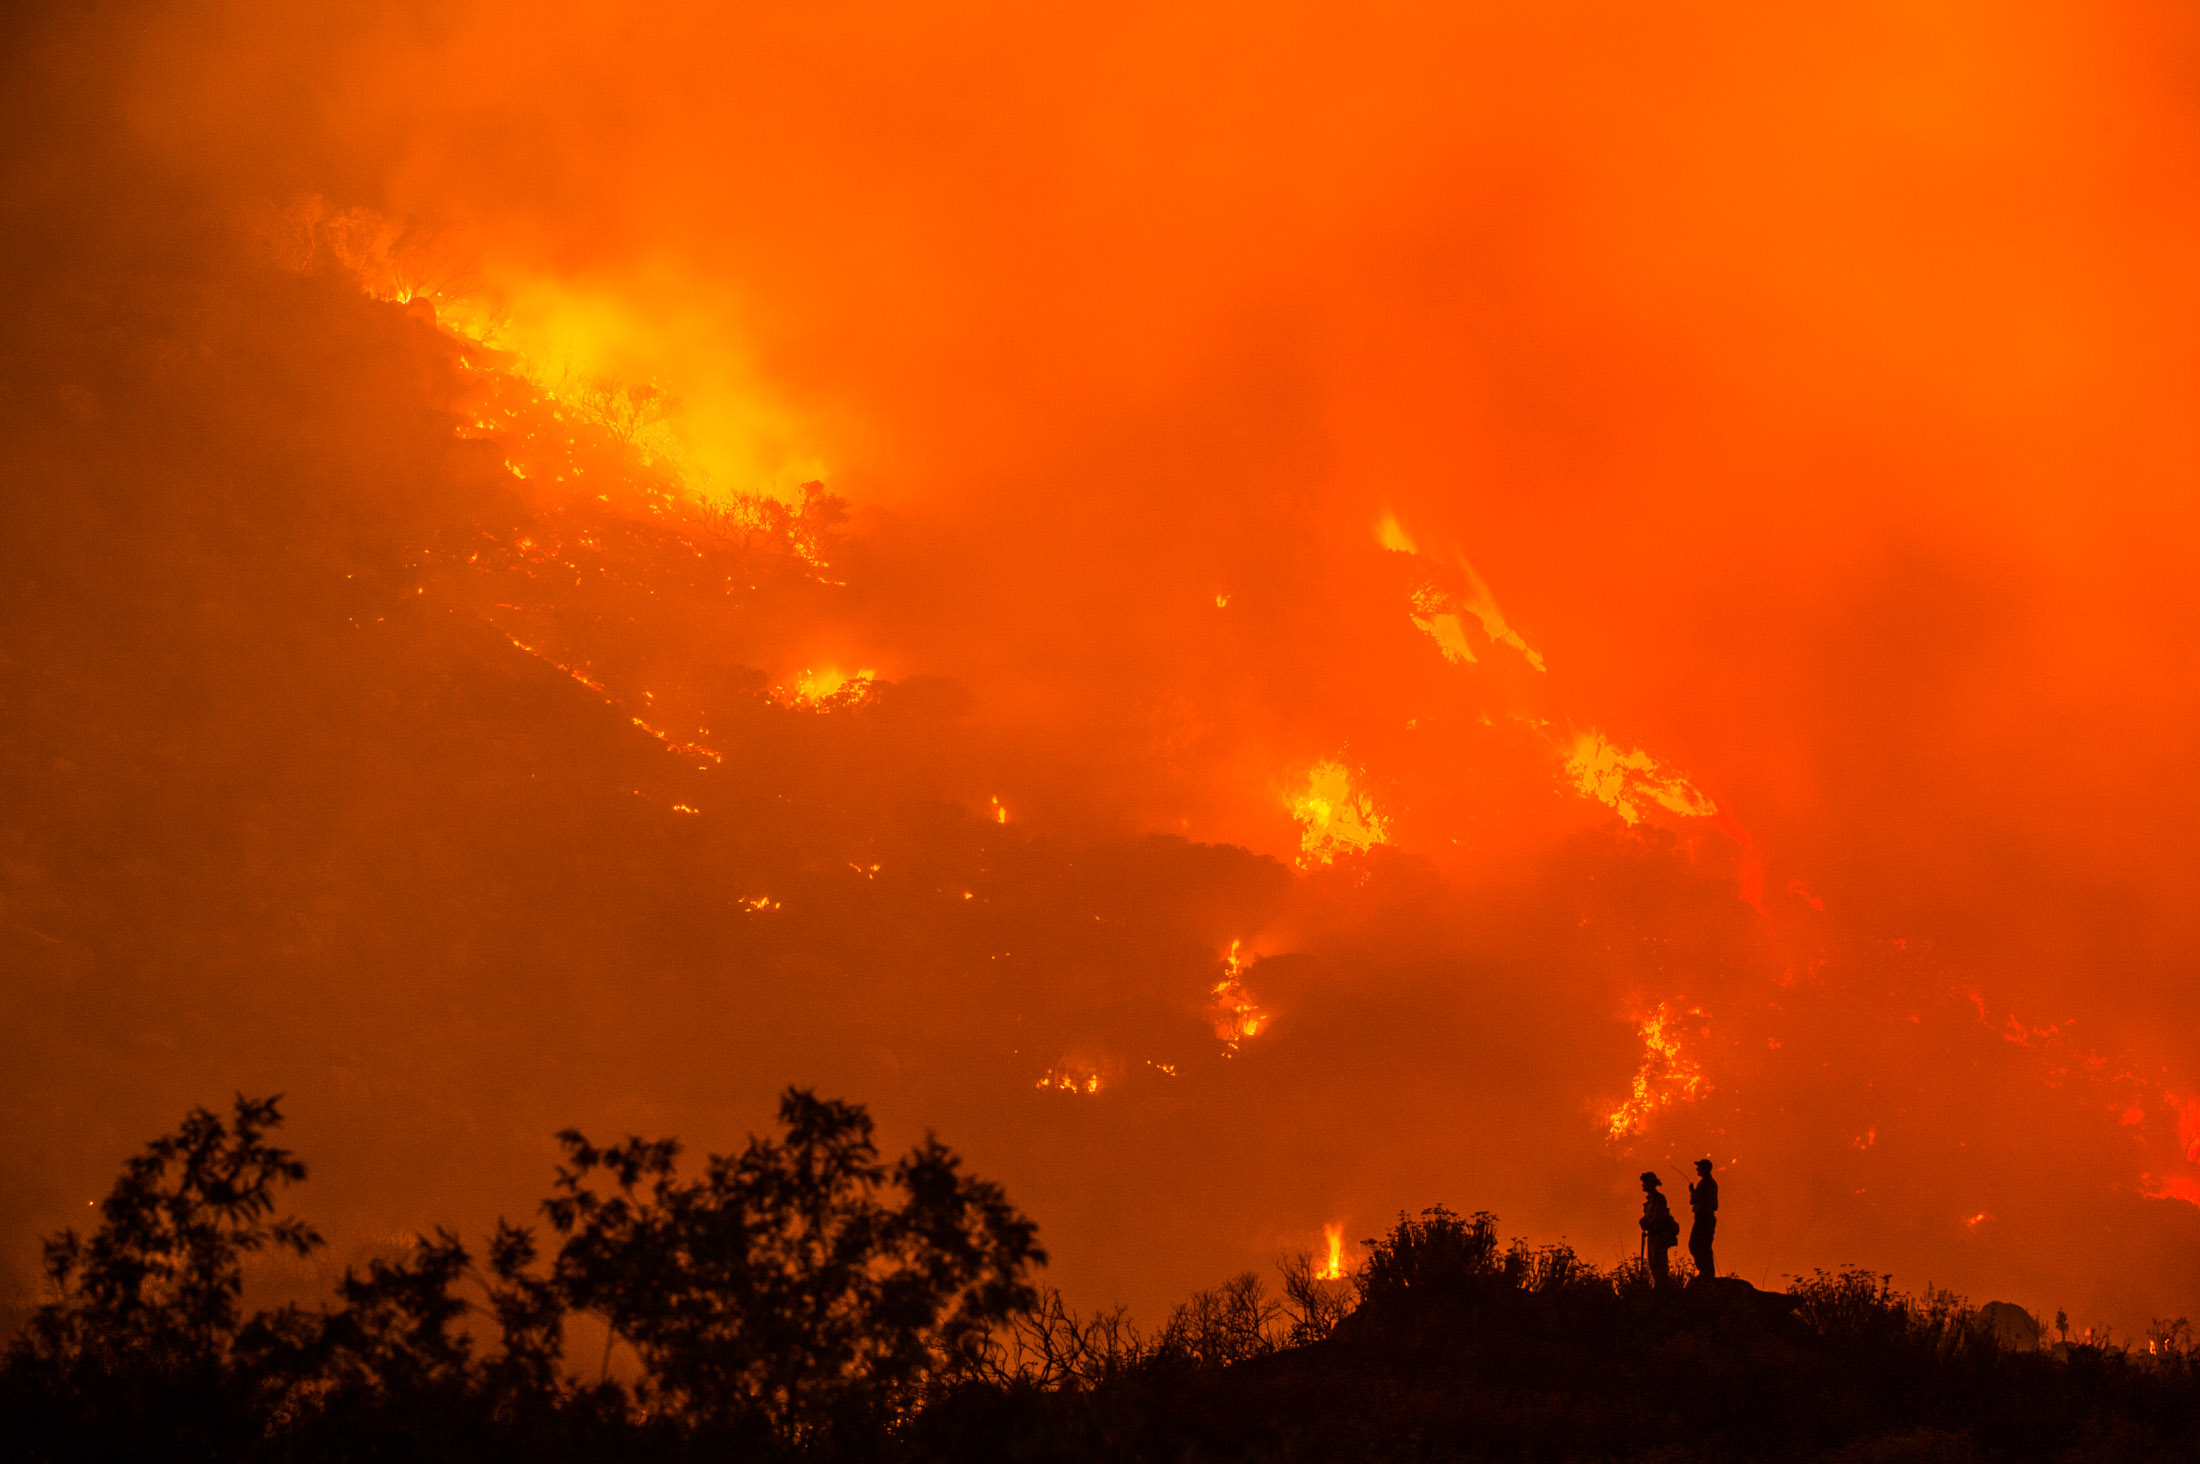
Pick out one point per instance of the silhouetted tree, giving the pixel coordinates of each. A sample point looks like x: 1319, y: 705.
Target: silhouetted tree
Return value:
x: 781, y: 1288
x: 799, y: 1292
x: 140, y: 1339
x: 804, y: 1299
x: 1313, y: 1303
x: 157, y: 1284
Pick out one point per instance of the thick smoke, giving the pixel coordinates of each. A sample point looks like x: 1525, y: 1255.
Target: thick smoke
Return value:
x: 1810, y: 395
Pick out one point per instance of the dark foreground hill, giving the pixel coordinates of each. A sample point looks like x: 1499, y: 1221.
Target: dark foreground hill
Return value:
x: 806, y: 1300
x: 1601, y: 1368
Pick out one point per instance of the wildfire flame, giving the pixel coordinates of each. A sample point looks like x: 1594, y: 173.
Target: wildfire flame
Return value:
x: 695, y: 750
x: 1629, y: 780
x: 1071, y: 1075
x: 1333, y: 1237
x: 1452, y: 591
x: 1667, y: 1074
x: 1237, y: 1016
x: 1335, y: 818
x: 830, y: 687
x: 567, y: 345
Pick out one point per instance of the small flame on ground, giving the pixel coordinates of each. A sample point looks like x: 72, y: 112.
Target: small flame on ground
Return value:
x: 1071, y: 1076
x: 1666, y: 1075
x: 1237, y: 1016
x: 1000, y: 811
x: 1334, y: 817
x: 690, y: 749
x: 1333, y: 1237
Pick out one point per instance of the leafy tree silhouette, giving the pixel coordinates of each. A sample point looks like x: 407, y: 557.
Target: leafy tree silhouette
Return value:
x: 780, y: 1288
x: 143, y: 1332
x: 157, y: 1284
x: 805, y: 1299
x: 801, y: 1293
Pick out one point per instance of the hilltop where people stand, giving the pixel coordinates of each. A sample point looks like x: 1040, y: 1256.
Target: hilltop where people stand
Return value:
x: 805, y: 1300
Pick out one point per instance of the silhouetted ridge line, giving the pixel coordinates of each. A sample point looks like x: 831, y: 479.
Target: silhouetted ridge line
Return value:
x: 805, y: 1298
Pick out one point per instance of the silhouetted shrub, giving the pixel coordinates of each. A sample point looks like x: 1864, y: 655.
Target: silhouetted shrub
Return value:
x: 1553, y: 1268
x: 1313, y: 1303
x: 1228, y: 1324
x: 1856, y: 1307
x: 1439, y: 1251
x: 1050, y: 1347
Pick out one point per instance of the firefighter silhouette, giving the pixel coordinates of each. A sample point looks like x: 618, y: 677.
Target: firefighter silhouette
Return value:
x: 1660, y: 1231
x: 1703, y: 1202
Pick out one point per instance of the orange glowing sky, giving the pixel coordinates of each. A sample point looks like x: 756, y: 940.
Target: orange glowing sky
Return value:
x: 1438, y: 603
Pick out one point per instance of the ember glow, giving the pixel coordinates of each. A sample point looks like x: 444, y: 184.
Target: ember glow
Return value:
x: 577, y: 566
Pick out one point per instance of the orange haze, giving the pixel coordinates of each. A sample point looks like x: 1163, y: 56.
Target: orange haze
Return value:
x: 1438, y: 604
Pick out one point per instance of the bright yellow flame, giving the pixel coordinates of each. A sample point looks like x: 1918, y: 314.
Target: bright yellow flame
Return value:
x: 1453, y: 590
x: 1000, y: 811
x: 1483, y: 604
x: 1666, y: 1075
x: 817, y: 688
x: 1334, y: 817
x: 1627, y: 780
x: 723, y: 432
x: 1392, y: 535
x: 1333, y: 1237
x: 1450, y: 635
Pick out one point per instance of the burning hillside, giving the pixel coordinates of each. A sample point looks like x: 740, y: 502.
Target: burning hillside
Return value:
x: 1257, y: 640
